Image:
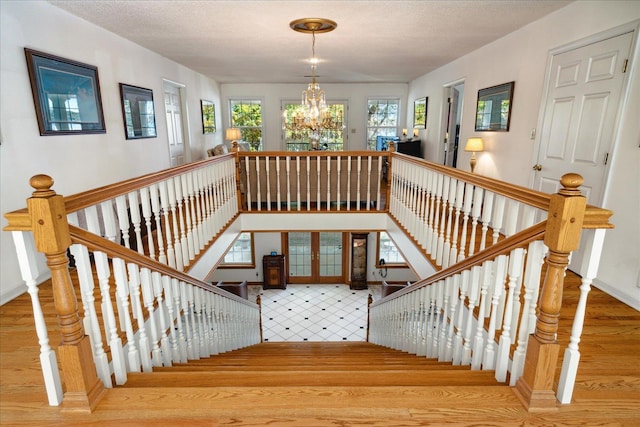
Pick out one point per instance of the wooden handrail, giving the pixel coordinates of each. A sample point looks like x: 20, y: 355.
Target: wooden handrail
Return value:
x: 535, y: 232
x: 96, y: 243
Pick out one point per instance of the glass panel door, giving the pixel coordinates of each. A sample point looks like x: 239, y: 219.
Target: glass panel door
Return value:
x: 315, y: 257
x: 330, y: 257
x: 299, y: 256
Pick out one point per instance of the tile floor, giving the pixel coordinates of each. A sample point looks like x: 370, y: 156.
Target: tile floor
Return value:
x: 314, y: 312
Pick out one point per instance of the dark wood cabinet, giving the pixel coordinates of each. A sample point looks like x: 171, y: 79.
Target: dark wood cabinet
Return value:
x: 358, y: 261
x: 412, y: 147
x: 273, y: 272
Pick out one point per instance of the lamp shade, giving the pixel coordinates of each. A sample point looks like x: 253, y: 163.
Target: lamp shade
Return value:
x: 233, y: 134
x: 474, y: 145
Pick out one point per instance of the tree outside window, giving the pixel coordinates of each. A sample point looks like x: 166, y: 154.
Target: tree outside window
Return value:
x: 382, y: 120
x: 388, y: 251
x: 246, y: 114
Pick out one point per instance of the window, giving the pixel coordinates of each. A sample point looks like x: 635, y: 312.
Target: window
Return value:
x: 246, y: 114
x: 382, y: 120
x: 387, y: 251
x: 241, y: 253
x: 330, y: 140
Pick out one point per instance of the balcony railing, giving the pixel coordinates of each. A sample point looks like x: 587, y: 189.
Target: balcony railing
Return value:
x: 489, y: 307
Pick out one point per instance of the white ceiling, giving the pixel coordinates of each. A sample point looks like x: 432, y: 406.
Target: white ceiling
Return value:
x: 250, y: 41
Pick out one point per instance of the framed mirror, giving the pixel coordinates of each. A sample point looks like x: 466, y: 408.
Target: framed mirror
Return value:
x: 138, y: 112
x: 493, y: 111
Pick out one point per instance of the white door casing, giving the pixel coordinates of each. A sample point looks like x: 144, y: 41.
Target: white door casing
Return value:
x: 580, y: 113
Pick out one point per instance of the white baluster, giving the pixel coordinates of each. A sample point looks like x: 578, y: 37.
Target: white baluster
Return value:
x: 436, y: 214
x: 288, y: 170
x: 111, y: 330
x: 348, y: 182
x: 123, y: 219
x: 278, y: 185
x: 109, y: 221
x: 515, y: 270
x: 188, y: 324
x: 328, y: 180
x: 499, y: 274
x: 318, y: 201
x: 447, y: 237
x: 173, y: 334
x: 421, y: 349
x: 446, y: 205
x: 475, y: 214
x: 466, y: 210
x: 25, y: 251
x: 458, y: 343
x: 147, y: 299
x: 379, y: 184
x: 91, y: 323
x: 165, y: 346
x: 474, y: 287
x: 298, y: 181
x: 146, y: 214
x: 177, y: 241
x: 176, y: 287
x: 498, y: 217
x: 487, y: 209
x: 533, y: 268
x: 453, y: 254
x: 478, y: 341
x: 511, y: 223
x: 155, y: 208
x: 248, y: 183
x: 167, y: 212
x: 338, y: 181
x: 267, y: 173
x: 134, y: 212
x: 136, y: 306
x: 453, y: 304
x: 588, y: 270
x: 122, y: 290
x: 185, y: 206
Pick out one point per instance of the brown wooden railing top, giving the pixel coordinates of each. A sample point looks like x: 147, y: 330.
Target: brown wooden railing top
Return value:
x: 96, y: 243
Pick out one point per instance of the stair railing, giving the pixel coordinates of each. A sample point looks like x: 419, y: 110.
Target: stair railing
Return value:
x: 188, y: 206
x: 492, y: 309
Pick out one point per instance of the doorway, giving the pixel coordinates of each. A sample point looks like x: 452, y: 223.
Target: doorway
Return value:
x: 315, y: 257
x: 453, y: 95
x: 173, y: 101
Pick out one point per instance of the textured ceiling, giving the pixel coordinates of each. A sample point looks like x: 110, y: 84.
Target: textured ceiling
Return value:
x: 251, y: 42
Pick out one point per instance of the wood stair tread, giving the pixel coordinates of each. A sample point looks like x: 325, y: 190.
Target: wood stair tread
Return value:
x: 292, y: 377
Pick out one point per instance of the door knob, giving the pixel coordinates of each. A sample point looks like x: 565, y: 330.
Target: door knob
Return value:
x: 537, y: 167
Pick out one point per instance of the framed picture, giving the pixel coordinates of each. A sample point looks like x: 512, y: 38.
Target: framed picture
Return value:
x: 138, y: 112
x: 420, y: 112
x: 208, y: 116
x: 66, y: 95
x: 493, y: 111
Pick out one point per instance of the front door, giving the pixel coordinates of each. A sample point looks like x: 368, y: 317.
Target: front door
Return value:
x: 315, y: 257
x: 584, y: 90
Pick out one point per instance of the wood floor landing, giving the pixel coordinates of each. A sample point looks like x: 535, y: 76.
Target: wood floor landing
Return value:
x: 340, y: 384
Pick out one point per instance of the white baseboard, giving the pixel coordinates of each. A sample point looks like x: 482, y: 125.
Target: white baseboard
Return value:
x: 632, y: 301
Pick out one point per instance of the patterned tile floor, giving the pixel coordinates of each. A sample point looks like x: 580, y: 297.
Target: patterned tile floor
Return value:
x: 314, y: 312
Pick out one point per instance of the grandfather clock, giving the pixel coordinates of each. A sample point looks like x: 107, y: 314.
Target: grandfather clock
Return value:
x: 359, y: 260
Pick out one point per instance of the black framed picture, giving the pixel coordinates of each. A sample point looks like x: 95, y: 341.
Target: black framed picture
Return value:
x: 66, y: 95
x: 138, y: 112
x: 493, y: 110
x: 208, y: 109
x: 420, y: 112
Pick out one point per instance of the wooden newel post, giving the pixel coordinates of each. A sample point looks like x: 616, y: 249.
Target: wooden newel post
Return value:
x: 391, y: 149
x: 236, y: 150
x: 564, y: 226
x: 50, y: 229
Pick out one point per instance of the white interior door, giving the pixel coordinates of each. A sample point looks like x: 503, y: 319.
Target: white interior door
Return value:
x: 453, y: 97
x: 173, y: 109
x: 584, y: 91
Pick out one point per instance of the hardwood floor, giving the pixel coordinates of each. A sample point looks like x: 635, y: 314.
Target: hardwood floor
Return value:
x: 607, y: 390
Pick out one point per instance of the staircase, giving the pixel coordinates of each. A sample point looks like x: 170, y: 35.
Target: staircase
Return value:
x: 315, y: 384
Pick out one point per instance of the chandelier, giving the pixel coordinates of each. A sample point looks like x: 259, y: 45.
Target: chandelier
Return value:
x: 313, y: 116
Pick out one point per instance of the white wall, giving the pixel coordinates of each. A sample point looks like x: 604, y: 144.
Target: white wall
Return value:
x: 272, y: 96
x: 522, y: 57
x: 80, y: 162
